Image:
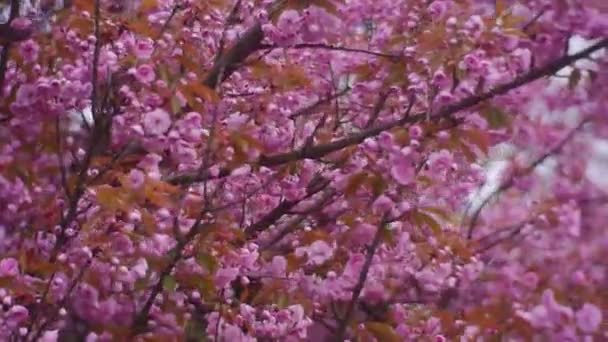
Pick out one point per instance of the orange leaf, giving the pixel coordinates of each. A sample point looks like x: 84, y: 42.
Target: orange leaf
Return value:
x: 142, y: 27
x: 355, y: 182
x: 85, y: 5
x: 382, y: 332
x: 111, y: 198
x: 148, y: 5
x: 478, y: 138
x: 202, y: 91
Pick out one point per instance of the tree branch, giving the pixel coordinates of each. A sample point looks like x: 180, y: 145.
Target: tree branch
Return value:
x: 341, y: 330
x: 511, y: 181
x: 318, y: 151
x: 249, y: 43
x: 333, y: 48
x: 7, y: 45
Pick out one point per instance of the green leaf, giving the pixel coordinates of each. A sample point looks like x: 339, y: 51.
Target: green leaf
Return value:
x: 495, y: 117
x: 169, y: 283
x: 195, y: 330
x: 207, y: 261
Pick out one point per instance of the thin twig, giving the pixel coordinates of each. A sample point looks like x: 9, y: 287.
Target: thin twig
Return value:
x: 334, y: 48
x: 511, y: 181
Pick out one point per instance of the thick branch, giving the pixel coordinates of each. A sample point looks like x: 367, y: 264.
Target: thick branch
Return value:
x: 227, y: 63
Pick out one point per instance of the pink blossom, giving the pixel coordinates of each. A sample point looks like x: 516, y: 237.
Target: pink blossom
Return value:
x: 382, y: 204
x: 136, y: 178
x: 278, y: 266
x: 589, y: 318
x: 9, y: 267
x: 143, y: 49
x: 156, y: 122
x: 437, y: 9
x: 415, y: 132
x: 50, y: 336
x: 403, y: 170
x: 225, y: 276
x: 16, y: 316
x: 21, y: 24
x: 145, y: 74
x: 29, y: 50
x: 318, y: 252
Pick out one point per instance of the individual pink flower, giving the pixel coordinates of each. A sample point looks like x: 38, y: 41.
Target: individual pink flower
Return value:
x: 318, y: 252
x: 437, y: 9
x: 402, y: 169
x: 523, y: 59
x: 16, y: 315
x: 29, y: 50
x: 588, y: 318
x: 50, y: 336
x: 415, y: 131
x: 363, y: 233
x: 278, y: 266
x: 156, y: 122
x: 225, y: 276
x: 538, y: 317
x: 233, y: 333
x: 145, y: 74
x: 143, y: 49
x: 21, y: 23
x: 382, y: 204
x: 136, y: 178
x: 9, y: 267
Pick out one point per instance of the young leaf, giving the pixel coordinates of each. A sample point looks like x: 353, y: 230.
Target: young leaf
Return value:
x: 169, y: 283
x: 383, y: 332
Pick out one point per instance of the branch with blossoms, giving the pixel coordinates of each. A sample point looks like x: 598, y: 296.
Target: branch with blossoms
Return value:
x: 321, y: 150
x: 356, y: 293
x: 505, y: 185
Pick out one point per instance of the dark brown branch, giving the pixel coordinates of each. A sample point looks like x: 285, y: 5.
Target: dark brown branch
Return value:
x: 295, y: 222
x: 7, y: 45
x: 249, y: 43
x: 319, y: 151
x: 529, y: 24
x: 284, y: 208
x: 313, y: 107
x: 354, y: 301
x: 96, y: 52
x: 378, y: 106
x: 232, y: 16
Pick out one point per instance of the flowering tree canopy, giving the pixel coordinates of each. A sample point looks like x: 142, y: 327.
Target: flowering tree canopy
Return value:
x: 303, y: 170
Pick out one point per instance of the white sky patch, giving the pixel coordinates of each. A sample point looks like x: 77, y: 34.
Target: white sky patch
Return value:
x: 596, y: 169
